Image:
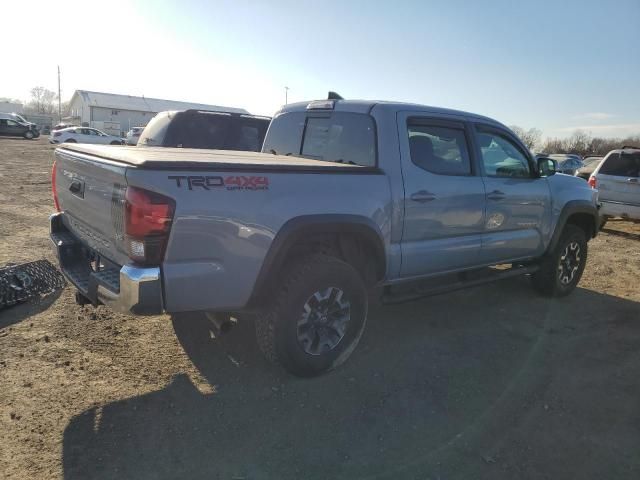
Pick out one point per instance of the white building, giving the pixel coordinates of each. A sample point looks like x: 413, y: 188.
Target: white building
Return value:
x: 11, y: 107
x: 118, y: 113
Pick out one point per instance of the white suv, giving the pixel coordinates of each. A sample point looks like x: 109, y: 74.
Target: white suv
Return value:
x: 617, y: 179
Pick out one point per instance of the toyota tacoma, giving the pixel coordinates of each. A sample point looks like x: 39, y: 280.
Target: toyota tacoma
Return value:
x: 348, y: 201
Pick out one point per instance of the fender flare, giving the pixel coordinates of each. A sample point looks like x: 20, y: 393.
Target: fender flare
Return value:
x: 297, y: 228
x: 571, y: 208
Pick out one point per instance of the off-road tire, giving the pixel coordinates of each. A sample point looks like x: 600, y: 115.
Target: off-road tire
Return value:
x: 277, y: 325
x: 547, y: 279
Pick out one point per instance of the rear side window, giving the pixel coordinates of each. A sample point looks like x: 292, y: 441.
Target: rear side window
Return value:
x: 247, y: 134
x: 155, y: 131
x: 440, y: 150
x: 340, y: 137
x: 198, y: 130
x: 622, y: 165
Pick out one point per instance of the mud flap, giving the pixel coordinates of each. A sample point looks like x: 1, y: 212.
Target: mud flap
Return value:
x: 19, y: 283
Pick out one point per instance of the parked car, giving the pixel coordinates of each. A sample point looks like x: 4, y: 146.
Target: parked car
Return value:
x: 567, y: 163
x: 9, y: 127
x: 589, y: 164
x: 133, y: 135
x: 61, y: 126
x: 15, y: 116
x: 83, y: 135
x: 348, y: 198
x: 617, y: 179
x: 205, y: 129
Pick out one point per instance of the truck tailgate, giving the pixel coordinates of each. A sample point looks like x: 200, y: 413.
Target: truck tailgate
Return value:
x: 91, y: 194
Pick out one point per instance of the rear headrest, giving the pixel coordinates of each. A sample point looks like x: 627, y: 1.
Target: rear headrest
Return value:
x: 421, y: 149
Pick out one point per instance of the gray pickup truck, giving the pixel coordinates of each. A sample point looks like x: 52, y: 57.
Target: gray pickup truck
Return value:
x: 347, y: 198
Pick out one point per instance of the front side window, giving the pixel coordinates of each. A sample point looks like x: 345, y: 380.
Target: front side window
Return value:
x: 340, y: 137
x: 440, y: 150
x: 622, y: 165
x: 501, y: 157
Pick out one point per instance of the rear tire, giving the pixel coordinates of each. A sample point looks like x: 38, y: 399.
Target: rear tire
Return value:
x: 603, y: 221
x: 561, y: 269
x: 316, y: 318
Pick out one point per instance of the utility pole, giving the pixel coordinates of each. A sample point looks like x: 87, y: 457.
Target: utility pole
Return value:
x: 59, y: 100
x: 286, y: 95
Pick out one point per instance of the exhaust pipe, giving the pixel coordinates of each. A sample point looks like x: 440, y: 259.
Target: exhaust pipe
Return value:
x: 221, y: 322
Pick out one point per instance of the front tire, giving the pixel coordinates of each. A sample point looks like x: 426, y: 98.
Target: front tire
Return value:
x: 562, y: 268
x: 316, y: 318
x: 116, y: 143
x: 28, y: 135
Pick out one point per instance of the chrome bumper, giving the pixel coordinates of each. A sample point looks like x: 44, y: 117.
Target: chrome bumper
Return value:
x: 127, y: 289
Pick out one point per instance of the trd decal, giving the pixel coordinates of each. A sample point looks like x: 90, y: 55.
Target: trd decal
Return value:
x: 207, y: 182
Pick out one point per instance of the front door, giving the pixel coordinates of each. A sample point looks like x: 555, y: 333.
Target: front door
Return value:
x: 444, y: 197
x: 11, y: 127
x: 518, y: 201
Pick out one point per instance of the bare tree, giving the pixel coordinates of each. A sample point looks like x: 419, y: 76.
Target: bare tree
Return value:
x: 531, y: 138
x: 578, y: 142
x: 42, y: 101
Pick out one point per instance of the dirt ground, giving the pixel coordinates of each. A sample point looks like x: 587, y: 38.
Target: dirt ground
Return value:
x: 489, y: 383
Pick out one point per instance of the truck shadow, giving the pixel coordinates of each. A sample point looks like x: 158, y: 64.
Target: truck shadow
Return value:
x: 17, y: 313
x: 434, y: 386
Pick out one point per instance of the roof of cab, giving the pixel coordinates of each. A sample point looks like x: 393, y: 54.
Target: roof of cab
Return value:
x: 367, y: 106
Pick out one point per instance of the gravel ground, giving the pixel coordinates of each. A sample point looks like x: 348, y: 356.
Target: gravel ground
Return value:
x: 493, y: 382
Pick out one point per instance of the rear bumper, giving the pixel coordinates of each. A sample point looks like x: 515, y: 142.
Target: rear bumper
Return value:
x: 127, y: 289
x: 618, y: 209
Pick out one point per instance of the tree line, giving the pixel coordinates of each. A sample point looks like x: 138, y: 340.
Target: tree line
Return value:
x: 580, y: 142
x: 42, y: 101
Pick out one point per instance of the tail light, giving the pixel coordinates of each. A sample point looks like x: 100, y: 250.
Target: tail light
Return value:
x: 54, y: 188
x: 56, y: 134
x: 148, y: 217
x: 593, y: 183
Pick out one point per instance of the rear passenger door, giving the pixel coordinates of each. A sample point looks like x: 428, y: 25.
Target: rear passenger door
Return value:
x: 518, y: 201
x: 619, y: 179
x: 444, y: 196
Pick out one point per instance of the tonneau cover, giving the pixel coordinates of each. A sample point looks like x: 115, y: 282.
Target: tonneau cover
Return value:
x: 192, y: 158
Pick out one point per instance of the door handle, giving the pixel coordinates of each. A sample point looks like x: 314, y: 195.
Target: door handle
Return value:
x: 422, y: 196
x: 496, y: 195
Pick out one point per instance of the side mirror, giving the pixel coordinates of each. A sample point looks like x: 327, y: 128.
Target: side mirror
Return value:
x: 547, y: 166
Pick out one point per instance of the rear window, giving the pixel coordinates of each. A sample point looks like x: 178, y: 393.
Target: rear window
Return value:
x: 336, y: 137
x: 622, y: 165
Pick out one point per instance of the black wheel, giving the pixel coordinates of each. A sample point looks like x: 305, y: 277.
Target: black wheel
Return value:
x: 28, y: 135
x: 116, y: 143
x: 70, y: 140
x: 562, y: 268
x: 316, y: 318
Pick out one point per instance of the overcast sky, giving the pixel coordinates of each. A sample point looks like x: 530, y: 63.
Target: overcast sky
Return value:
x: 554, y: 65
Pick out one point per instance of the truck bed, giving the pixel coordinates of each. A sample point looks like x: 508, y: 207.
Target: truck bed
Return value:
x: 162, y: 158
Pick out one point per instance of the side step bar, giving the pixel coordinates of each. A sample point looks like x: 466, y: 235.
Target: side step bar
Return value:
x: 407, y: 292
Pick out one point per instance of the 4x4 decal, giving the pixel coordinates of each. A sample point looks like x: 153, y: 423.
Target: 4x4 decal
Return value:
x: 210, y: 182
